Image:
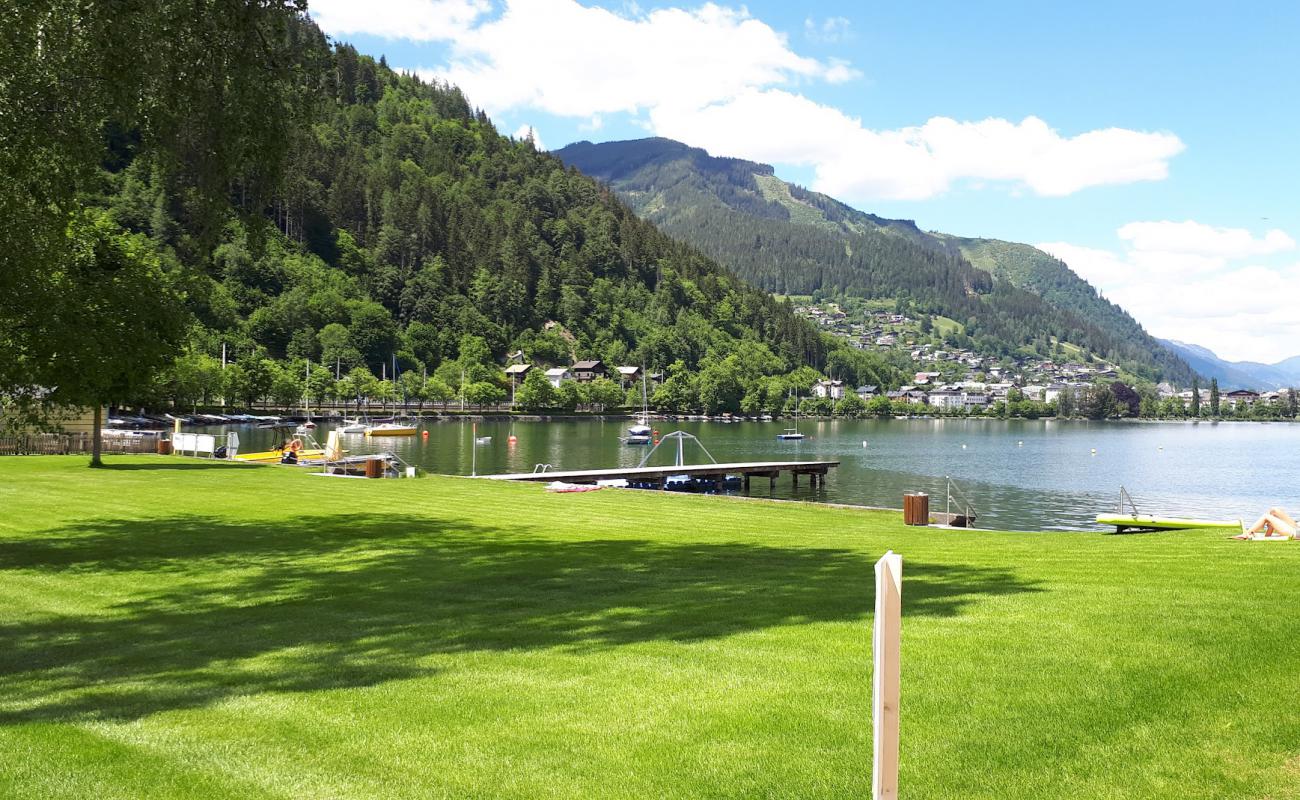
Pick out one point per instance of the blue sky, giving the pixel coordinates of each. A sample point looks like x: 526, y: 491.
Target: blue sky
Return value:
x: 1149, y: 145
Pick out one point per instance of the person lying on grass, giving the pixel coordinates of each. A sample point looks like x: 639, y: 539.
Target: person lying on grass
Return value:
x: 1275, y: 523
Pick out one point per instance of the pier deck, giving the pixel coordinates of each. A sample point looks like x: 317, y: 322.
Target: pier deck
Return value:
x: 815, y: 470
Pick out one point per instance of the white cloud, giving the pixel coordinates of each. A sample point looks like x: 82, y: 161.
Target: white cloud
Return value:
x: 717, y: 77
x: 853, y: 162
x: 1192, y: 282
x: 830, y: 29
x: 1198, y: 239
x: 567, y: 59
x: 415, y: 20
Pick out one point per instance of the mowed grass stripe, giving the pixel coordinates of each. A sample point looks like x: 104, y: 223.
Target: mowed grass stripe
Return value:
x: 177, y: 629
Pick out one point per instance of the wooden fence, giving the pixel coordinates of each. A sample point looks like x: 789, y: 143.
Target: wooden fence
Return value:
x: 59, y: 444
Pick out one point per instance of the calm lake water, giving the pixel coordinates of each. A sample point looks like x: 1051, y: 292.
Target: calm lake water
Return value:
x: 1019, y: 475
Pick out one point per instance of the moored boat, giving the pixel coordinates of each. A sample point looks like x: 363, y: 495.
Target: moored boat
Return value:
x: 392, y: 429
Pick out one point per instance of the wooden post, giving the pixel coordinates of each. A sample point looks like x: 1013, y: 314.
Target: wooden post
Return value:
x: 746, y: 483
x: 885, y: 645
x: 794, y: 480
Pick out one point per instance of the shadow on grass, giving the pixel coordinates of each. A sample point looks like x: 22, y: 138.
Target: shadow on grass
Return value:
x: 112, y: 466
x: 354, y: 600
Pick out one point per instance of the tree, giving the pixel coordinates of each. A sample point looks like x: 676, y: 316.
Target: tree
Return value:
x: 1291, y: 403
x: 1196, y: 397
x: 481, y: 393
x: 286, y: 385
x: 567, y: 396
x: 1127, y: 401
x: 436, y: 390
x: 128, y: 320
x: 336, y: 348
x: 603, y: 394
x: 193, y: 378
x: 357, y: 384
x: 850, y: 406
x: 536, y: 392
x: 1214, y: 397
x: 719, y: 386
x: 412, y: 386
x: 85, y: 83
x: 1100, y: 402
x: 880, y: 406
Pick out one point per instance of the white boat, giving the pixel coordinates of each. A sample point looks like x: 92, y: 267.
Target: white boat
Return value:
x: 306, y: 427
x: 482, y: 440
x: 641, y: 432
x: 792, y: 434
x: 353, y: 426
x: 391, y: 429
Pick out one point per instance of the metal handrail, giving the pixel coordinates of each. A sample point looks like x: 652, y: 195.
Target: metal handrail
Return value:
x: 1124, y: 495
x: 542, y: 468
x: 963, y: 502
x: 680, y: 437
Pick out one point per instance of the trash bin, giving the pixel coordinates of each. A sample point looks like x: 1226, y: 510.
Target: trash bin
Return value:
x: 164, y: 447
x: 916, y: 508
x: 375, y: 468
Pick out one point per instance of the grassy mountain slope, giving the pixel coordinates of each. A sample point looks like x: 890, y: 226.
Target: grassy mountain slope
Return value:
x: 789, y: 240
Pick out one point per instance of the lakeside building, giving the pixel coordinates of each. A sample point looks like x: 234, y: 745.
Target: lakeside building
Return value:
x: 866, y: 392
x: 587, y: 371
x: 628, y: 375
x: 832, y: 389
x: 1240, y: 397
x: 558, y: 375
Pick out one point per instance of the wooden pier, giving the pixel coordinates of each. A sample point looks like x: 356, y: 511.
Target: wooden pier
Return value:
x: 815, y: 470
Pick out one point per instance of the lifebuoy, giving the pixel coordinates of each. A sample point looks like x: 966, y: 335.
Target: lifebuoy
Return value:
x: 294, y: 445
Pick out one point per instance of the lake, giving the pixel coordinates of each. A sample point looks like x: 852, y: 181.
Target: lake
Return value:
x: 1018, y: 474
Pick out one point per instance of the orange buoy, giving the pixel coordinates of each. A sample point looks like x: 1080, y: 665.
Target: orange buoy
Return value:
x: 511, y: 439
x: 424, y: 434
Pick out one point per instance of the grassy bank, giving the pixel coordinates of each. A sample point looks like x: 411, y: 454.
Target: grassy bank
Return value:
x: 171, y: 628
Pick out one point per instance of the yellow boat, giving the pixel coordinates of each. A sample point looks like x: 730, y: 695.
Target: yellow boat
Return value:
x: 275, y: 455
x: 288, y: 442
x: 392, y: 429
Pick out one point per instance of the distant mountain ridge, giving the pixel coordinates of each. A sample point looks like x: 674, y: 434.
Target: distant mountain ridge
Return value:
x: 1238, y: 374
x: 788, y: 240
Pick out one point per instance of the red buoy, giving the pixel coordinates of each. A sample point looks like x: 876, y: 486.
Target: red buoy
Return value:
x: 424, y: 434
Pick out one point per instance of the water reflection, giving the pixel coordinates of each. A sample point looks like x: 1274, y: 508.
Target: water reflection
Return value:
x: 1041, y: 475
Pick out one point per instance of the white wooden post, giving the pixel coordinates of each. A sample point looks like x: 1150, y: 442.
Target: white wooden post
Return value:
x: 885, y: 642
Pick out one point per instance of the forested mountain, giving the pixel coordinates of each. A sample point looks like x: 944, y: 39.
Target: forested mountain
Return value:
x: 788, y: 240
x: 408, y: 231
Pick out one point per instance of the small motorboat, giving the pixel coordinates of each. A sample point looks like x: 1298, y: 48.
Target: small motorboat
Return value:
x: 306, y: 427
x: 482, y: 440
x: 353, y: 426
x: 392, y: 429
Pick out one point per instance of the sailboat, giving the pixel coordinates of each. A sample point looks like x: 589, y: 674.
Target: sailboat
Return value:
x: 641, y: 432
x: 792, y: 434
x: 308, y: 425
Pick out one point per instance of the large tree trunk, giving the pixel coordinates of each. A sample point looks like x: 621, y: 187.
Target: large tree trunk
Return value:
x: 96, y: 437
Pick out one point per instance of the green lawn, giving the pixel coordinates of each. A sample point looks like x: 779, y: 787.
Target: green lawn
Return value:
x: 172, y: 628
